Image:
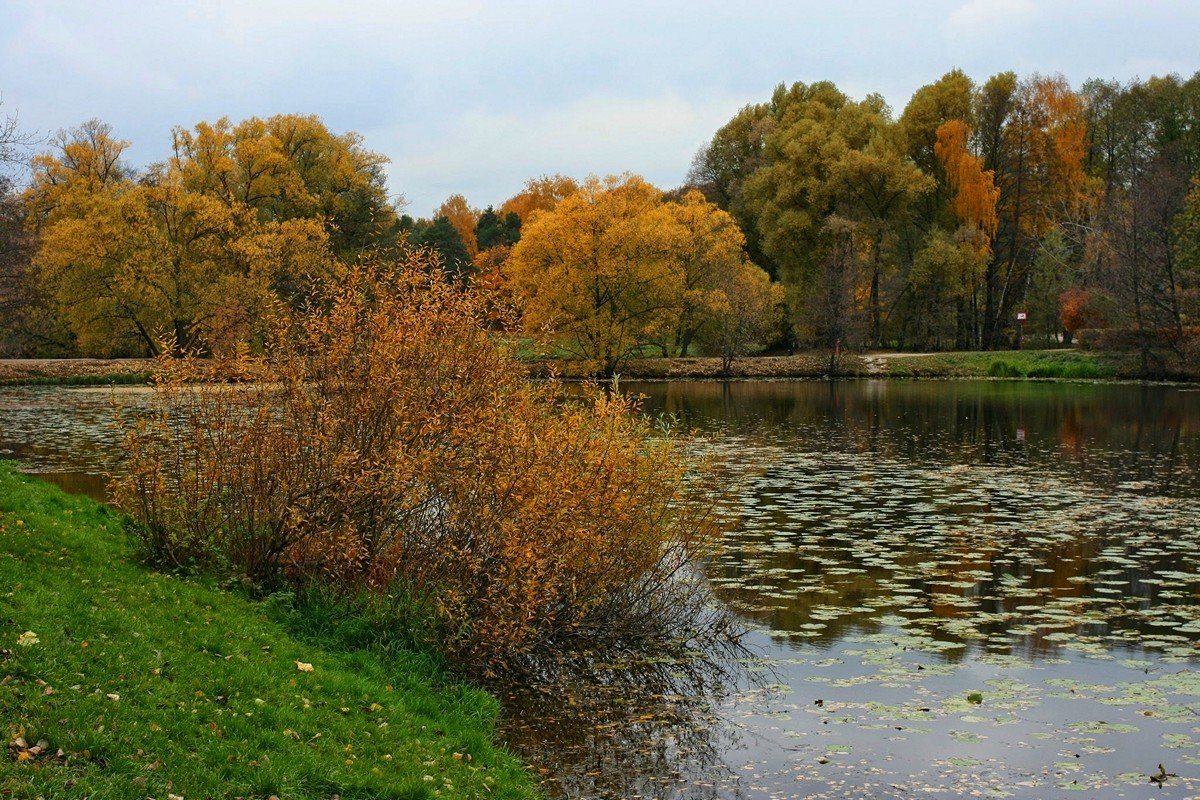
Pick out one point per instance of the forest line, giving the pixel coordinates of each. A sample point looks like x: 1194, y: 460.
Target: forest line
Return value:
x: 1018, y: 211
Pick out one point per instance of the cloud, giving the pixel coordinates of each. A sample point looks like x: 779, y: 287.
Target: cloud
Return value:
x: 986, y: 17
x: 471, y: 96
x: 488, y: 154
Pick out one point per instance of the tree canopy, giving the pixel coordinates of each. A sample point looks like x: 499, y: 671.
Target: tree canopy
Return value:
x: 615, y: 268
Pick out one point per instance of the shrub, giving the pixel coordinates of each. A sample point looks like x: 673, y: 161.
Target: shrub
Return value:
x: 1003, y: 369
x: 387, y: 442
x: 1126, y: 339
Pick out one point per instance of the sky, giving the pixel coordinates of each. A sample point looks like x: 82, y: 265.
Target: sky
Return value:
x: 477, y: 97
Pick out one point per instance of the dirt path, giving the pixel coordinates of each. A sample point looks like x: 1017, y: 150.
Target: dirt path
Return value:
x: 877, y: 363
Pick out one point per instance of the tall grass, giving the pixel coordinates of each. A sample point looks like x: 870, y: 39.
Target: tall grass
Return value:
x: 1069, y: 370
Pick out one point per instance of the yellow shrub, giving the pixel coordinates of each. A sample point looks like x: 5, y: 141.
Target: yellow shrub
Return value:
x: 387, y: 441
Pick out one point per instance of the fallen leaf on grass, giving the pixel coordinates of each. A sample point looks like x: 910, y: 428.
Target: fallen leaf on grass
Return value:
x: 304, y: 666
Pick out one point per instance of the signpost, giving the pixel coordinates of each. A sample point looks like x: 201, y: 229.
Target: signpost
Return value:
x: 1021, y: 315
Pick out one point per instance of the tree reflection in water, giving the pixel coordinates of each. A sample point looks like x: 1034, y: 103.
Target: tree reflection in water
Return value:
x: 635, y: 727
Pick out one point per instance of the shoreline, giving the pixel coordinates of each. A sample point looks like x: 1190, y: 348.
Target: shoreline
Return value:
x: 1046, y: 365
x: 207, y: 661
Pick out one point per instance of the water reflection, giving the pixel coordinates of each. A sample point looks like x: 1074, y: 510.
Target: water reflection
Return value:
x: 635, y: 728
x: 1103, y: 433
x: 987, y: 515
x: 65, y: 435
x: 902, y: 547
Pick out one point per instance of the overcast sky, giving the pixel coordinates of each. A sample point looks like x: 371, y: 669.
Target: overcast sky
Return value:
x: 476, y: 97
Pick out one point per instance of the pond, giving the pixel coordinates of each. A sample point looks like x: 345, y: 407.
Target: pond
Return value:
x: 949, y: 588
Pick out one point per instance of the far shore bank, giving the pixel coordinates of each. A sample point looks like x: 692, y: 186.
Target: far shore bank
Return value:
x: 1061, y: 364
x: 1058, y: 364
x: 75, y: 371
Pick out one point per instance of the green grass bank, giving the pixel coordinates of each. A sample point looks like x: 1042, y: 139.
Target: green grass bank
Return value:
x: 1010, y: 364
x: 1060, y: 364
x: 75, y: 371
x: 120, y: 682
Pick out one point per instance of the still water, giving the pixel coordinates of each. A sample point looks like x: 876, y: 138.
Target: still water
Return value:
x: 949, y: 588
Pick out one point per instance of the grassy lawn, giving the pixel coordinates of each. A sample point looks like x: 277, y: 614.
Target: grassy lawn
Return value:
x: 1070, y: 364
x: 119, y: 682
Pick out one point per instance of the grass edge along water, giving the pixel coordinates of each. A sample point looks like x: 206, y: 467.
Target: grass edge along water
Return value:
x: 120, y: 682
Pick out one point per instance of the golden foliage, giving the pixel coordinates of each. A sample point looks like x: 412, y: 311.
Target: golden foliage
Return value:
x: 289, y: 166
x: 146, y: 262
x: 463, y: 219
x: 87, y: 161
x: 192, y: 251
x: 615, y: 267
x: 1045, y: 138
x: 975, y: 190
x: 388, y: 442
x: 539, y: 194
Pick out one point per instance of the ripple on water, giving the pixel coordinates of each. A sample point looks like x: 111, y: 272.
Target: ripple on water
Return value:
x: 986, y: 589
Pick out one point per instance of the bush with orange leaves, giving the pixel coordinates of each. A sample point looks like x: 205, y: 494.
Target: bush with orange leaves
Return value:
x: 387, y: 443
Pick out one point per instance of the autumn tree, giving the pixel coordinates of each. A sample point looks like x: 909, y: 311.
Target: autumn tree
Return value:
x: 1081, y: 308
x: 616, y: 267
x: 595, y: 274
x: 745, y: 315
x: 82, y: 162
x: 539, y: 194
x: 709, y: 258
x: 974, y: 191
x: 291, y: 166
x: 971, y: 197
x: 156, y: 262
x: 463, y: 218
x: 1032, y: 137
x: 948, y: 99
x: 130, y: 264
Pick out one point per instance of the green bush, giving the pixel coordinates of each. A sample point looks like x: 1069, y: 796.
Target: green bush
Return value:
x: 1003, y: 369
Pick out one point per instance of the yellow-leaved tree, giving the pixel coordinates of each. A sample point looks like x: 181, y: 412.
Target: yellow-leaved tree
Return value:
x: 709, y: 251
x: 595, y: 275
x: 191, y: 252
x: 463, y: 219
x: 291, y: 166
x: 539, y: 194
x: 615, y: 268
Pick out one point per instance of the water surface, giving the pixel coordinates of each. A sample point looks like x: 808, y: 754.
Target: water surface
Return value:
x: 952, y: 588
x: 956, y: 588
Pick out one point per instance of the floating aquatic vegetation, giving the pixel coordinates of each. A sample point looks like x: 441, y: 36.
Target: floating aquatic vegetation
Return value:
x: 898, y: 550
